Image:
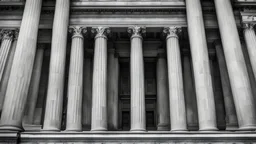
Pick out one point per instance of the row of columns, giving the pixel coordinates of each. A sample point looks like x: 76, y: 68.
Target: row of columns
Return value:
x: 24, y: 58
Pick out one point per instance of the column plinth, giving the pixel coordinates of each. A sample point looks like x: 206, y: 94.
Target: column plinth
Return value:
x: 21, y: 71
x: 231, y: 118
x: 54, y: 101
x: 34, y: 86
x: 138, y: 112
x: 99, y: 81
x: 238, y: 74
x: 113, y: 79
x: 176, y: 91
x: 202, y: 73
x: 163, y: 108
x: 75, y: 81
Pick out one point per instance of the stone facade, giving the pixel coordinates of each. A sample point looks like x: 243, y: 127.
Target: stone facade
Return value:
x: 126, y: 71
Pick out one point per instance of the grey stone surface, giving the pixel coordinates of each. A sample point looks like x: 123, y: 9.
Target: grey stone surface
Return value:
x: 238, y: 74
x: 54, y: 102
x: 201, y: 67
x: 21, y: 71
x: 138, y: 112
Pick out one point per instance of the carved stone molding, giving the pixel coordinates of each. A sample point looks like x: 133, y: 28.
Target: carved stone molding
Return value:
x: 136, y: 31
x: 172, y: 32
x: 101, y: 32
x: 248, y: 25
x: 77, y: 31
x: 6, y: 34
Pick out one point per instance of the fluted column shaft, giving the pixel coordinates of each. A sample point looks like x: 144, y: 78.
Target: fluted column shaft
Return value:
x: 7, y: 39
x: 75, y: 81
x: 34, y: 86
x: 18, y: 85
x: 99, y: 81
x: 7, y: 70
x: 163, y: 109
x: 250, y: 39
x: 238, y: 75
x: 54, y: 102
x: 176, y: 91
x: 190, y: 95
x: 113, y: 79
x: 87, y: 98
x: 202, y: 73
x: 138, y: 112
x: 231, y: 118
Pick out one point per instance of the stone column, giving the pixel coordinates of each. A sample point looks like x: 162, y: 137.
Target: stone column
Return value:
x: 87, y: 98
x: 75, y: 80
x: 138, y: 112
x: 99, y: 81
x: 238, y: 75
x: 34, y: 86
x: 7, y: 38
x: 231, y: 118
x: 250, y: 39
x: 54, y: 102
x: 202, y: 73
x: 7, y: 70
x: 190, y: 95
x: 176, y: 91
x: 18, y: 85
x: 163, y: 109
x: 113, y: 80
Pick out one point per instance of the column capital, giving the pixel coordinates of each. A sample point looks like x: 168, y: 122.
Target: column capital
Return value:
x: 16, y: 34
x: 6, y: 34
x: 103, y: 32
x: 249, y: 26
x: 136, y: 31
x: 77, y: 31
x: 172, y: 31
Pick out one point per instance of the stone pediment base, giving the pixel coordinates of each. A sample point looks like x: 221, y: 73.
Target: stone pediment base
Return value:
x: 127, y: 137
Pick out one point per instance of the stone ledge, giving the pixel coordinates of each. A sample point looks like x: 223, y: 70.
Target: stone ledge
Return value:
x: 9, y: 137
x: 132, y: 137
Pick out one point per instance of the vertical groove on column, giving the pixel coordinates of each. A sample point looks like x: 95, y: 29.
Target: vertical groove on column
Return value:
x: 163, y: 108
x: 190, y: 95
x: 99, y: 86
x: 231, y: 118
x: 6, y: 74
x: 138, y: 120
x: 34, y: 87
x: 203, y: 81
x: 4, y: 51
x: 21, y: 71
x: 238, y: 74
x: 250, y: 39
x: 176, y: 91
x: 54, y: 102
x: 75, y: 86
x: 87, y: 97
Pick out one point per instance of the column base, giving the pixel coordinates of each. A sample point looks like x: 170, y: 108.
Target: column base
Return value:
x: 179, y: 130
x: 99, y: 129
x: 247, y: 128
x: 231, y: 127
x: 50, y: 129
x: 73, y: 130
x: 208, y: 129
x: 10, y: 128
x: 138, y: 130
